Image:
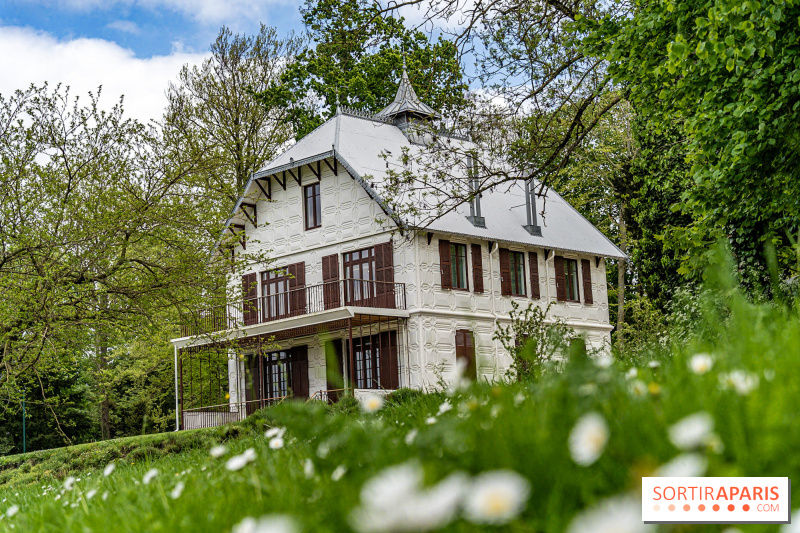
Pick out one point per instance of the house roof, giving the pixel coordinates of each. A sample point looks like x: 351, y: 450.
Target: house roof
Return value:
x: 367, y: 146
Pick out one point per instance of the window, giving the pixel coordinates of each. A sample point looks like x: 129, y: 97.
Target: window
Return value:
x: 517, y: 264
x: 275, y: 291
x: 277, y: 374
x: 313, y: 206
x: 465, y: 350
x: 458, y: 266
x: 366, y: 356
x: 359, y: 274
x: 571, y: 279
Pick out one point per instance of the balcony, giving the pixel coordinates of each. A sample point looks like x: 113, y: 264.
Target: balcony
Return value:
x: 293, y: 303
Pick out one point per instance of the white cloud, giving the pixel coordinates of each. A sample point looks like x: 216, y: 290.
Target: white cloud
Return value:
x: 125, y: 26
x: 84, y: 64
x: 203, y: 11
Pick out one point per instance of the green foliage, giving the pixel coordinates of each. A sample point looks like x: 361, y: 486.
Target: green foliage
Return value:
x: 357, y: 58
x: 534, y: 340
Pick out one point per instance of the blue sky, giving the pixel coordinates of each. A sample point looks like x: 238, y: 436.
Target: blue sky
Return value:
x: 133, y: 48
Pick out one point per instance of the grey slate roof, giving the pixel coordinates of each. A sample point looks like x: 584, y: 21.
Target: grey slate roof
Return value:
x: 358, y: 142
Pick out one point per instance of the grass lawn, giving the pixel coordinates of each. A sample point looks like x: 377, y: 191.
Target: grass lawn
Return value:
x: 564, y: 453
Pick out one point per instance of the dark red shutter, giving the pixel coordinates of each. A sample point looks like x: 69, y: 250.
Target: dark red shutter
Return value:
x: 444, y: 264
x: 505, y: 272
x: 390, y: 373
x: 300, y: 371
x: 534, y: 261
x: 561, y: 284
x: 384, y: 275
x: 586, y: 271
x: 330, y: 279
x: 250, y: 299
x: 465, y: 349
x: 297, y: 291
x: 477, y: 268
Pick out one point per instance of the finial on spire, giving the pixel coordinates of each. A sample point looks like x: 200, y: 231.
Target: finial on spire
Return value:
x: 338, y: 104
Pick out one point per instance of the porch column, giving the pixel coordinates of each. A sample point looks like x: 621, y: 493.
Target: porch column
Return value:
x: 177, y: 401
x: 351, y: 374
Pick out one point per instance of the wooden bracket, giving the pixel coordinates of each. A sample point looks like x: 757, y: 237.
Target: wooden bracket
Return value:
x: 430, y: 238
x: 281, y: 183
x: 299, y: 176
x: 268, y: 191
x: 546, y: 253
x: 254, y: 219
x: 334, y: 168
x: 597, y: 261
x: 313, y: 171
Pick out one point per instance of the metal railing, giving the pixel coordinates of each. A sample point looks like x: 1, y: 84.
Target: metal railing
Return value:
x: 328, y: 396
x: 296, y: 302
x: 216, y: 415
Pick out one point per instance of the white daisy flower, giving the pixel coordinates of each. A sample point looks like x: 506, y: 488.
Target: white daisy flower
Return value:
x: 276, y: 443
x: 410, y: 437
x: 338, y: 472
x: 654, y: 364
x: 692, y: 431
x: 237, y: 462
x: 177, y: 490
x: 371, y: 403
x: 275, y: 432
x: 109, y: 469
x: 217, y: 451
x: 632, y: 373
x: 14, y: 509
x: 518, y: 399
x: 701, y: 363
x: 458, y: 382
x: 588, y: 439
x: 742, y: 382
x: 105, y: 496
x: 267, y: 524
x: 638, y: 387
x: 308, y: 468
x: 148, y: 477
x: 496, y: 497
x: 446, y: 406
x: 684, y: 465
x: 430, y: 420
x: 58, y: 497
x: 69, y: 483
x: 603, y: 361
x: 90, y: 494
x: 614, y: 515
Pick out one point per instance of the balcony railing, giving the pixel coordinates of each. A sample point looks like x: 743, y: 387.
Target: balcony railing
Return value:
x: 216, y: 415
x: 296, y: 302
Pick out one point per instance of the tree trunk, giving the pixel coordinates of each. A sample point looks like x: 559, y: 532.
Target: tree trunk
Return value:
x: 621, y: 267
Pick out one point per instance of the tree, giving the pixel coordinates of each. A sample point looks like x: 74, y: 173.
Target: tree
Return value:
x: 357, y: 57
x: 101, y: 235
x: 211, y: 111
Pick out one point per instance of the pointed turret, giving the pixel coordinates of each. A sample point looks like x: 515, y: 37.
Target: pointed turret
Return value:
x: 407, y: 106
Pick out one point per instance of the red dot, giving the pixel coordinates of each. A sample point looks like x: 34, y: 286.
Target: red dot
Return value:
x: 716, y: 507
x: 701, y: 507
x: 687, y: 507
x: 671, y: 507
x: 731, y: 507
x: 746, y: 507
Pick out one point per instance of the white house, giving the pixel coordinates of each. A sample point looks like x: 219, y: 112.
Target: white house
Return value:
x: 352, y: 302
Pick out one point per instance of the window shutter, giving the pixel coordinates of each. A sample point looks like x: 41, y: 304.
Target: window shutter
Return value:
x: 444, y: 264
x: 330, y: 279
x: 505, y: 273
x: 586, y: 271
x: 390, y: 374
x: 384, y: 275
x: 561, y: 284
x: 297, y: 285
x: 534, y: 261
x: 300, y: 371
x: 477, y: 268
x: 465, y: 349
x: 249, y: 299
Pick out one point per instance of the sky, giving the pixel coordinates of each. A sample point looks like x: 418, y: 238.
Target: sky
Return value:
x: 130, y: 47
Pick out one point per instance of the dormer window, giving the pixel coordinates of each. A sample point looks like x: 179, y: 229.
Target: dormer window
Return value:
x: 313, y: 206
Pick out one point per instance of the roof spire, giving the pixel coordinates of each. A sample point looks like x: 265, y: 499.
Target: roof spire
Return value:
x: 338, y: 104
x: 406, y: 104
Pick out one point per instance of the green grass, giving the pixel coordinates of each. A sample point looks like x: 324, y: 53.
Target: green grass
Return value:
x: 519, y: 427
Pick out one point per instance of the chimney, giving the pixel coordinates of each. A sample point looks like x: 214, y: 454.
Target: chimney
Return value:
x: 475, y: 204
x: 532, y: 226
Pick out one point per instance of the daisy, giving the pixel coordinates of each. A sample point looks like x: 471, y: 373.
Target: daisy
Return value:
x: 603, y: 361
x: 308, y: 468
x: 267, y: 524
x: 446, y: 406
x: 701, y: 363
x: 496, y: 497
x: 742, y: 382
x: 109, y: 469
x: 275, y: 432
x: 692, y: 431
x: 684, y: 465
x: 217, y: 451
x: 338, y: 472
x: 69, y: 483
x: 430, y: 420
x: 632, y: 373
x: 90, y: 494
x: 148, y: 477
x: 14, y: 509
x: 614, y: 515
x: 459, y: 381
x: 410, y: 437
x: 654, y: 364
x: 276, y: 443
x: 588, y: 439
x: 237, y: 462
x: 371, y: 403
x: 638, y: 387
x: 177, y: 491
x: 105, y: 496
